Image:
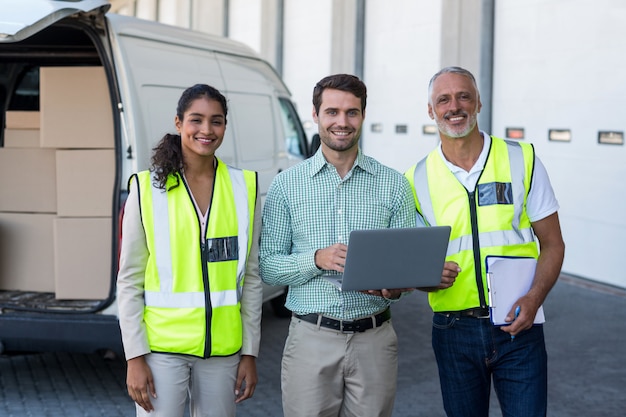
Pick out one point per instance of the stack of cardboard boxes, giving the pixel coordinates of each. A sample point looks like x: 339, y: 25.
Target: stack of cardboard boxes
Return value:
x: 58, y: 171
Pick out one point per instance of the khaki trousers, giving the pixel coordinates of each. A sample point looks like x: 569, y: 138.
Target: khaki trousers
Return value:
x: 326, y: 373
x: 208, y: 383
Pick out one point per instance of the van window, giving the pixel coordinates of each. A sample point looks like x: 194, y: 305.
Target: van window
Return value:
x: 295, y: 138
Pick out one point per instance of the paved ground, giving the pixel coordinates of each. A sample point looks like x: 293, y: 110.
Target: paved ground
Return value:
x: 585, y: 332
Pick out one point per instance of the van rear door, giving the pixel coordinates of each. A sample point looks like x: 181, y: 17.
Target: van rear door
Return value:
x: 22, y: 19
x: 43, y: 44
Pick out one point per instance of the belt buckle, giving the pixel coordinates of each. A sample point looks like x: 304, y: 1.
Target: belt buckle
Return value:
x: 341, y: 322
x: 486, y: 316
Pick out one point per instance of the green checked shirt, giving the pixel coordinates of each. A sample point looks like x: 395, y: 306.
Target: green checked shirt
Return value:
x: 309, y: 207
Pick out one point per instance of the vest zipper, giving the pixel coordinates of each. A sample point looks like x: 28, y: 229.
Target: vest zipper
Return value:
x: 476, y: 249
x: 204, y: 256
x: 207, y: 298
x: 208, y: 312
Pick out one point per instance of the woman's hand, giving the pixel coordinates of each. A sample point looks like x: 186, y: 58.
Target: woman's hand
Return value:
x: 246, y: 378
x: 140, y: 383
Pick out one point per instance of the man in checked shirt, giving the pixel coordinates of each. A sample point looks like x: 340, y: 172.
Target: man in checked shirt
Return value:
x: 340, y: 357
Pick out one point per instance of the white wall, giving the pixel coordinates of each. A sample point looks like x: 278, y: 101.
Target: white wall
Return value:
x: 244, y: 22
x: 307, y: 52
x: 207, y: 16
x: 560, y: 65
x: 174, y: 12
x: 402, y: 46
x: 145, y: 9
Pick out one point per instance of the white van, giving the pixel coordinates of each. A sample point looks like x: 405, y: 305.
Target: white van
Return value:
x: 85, y: 97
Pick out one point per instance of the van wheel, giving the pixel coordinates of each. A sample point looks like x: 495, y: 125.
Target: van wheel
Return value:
x: 278, y: 305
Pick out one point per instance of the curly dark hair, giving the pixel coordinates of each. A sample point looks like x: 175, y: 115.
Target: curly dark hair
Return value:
x: 167, y: 157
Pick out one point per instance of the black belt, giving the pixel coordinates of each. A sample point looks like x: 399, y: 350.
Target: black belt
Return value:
x: 347, y: 326
x: 477, y: 312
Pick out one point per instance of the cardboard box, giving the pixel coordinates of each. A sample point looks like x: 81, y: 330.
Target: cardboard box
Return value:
x: 82, y: 258
x: 18, y: 119
x: 28, y: 180
x: 21, y: 138
x: 75, y: 107
x: 85, y: 180
x: 27, y: 252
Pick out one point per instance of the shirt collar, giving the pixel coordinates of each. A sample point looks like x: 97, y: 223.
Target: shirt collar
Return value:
x: 480, y: 162
x: 318, y: 161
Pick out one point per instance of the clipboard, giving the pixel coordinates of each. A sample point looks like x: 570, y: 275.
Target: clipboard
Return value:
x: 508, y: 279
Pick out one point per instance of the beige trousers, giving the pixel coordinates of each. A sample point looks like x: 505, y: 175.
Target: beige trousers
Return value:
x: 209, y: 384
x: 326, y: 373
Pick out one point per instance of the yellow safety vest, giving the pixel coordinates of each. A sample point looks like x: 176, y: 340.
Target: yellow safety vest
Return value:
x: 492, y: 220
x: 193, y: 283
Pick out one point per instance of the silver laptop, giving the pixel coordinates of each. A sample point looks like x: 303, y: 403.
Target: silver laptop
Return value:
x: 393, y: 258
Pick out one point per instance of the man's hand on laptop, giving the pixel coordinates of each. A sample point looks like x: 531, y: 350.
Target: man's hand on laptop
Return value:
x: 332, y: 258
x: 448, y: 276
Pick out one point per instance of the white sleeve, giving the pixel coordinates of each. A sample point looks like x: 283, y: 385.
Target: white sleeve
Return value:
x: 131, y: 277
x: 252, y: 298
x: 541, y: 200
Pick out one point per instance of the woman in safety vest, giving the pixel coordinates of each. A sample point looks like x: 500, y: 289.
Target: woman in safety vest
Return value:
x: 189, y: 292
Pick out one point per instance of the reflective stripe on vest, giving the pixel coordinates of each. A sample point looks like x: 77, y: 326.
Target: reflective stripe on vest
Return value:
x: 501, y: 224
x: 494, y: 238
x: 165, y: 297
x: 497, y: 238
x: 193, y: 282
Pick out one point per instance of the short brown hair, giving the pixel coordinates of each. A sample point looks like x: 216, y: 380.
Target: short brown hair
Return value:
x: 344, y: 82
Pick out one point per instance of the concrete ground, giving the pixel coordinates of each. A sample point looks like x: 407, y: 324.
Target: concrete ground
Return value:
x: 585, y: 335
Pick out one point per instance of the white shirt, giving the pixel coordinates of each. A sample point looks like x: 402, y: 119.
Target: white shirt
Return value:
x: 541, y: 200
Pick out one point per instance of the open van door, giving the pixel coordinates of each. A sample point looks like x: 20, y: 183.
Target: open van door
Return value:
x: 37, y: 311
x: 24, y: 18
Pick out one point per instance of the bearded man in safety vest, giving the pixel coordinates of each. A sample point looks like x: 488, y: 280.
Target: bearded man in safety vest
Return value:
x: 497, y: 197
